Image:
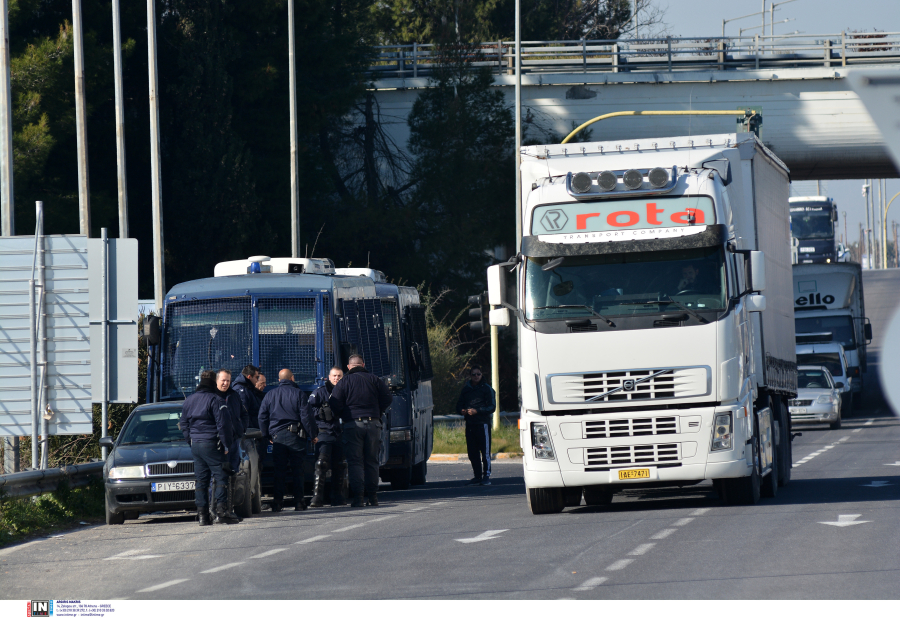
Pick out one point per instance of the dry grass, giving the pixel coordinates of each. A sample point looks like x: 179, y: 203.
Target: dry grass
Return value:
x: 451, y: 438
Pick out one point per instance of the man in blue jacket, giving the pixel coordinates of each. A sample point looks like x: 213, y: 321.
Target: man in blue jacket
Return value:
x: 245, y: 386
x: 284, y: 422
x: 239, y: 422
x: 360, y: 399
x: 476, y: 403
x: 207, y: 427
x: 328, y: 443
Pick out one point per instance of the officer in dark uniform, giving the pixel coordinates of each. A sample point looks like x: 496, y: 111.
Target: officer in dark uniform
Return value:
x: 476, y: 403
x: 240, y: 419
x: 360, y: 399
x: 330, y: 449
x: 207, y: 427
x: 245, y: 386
x: 284, y: 422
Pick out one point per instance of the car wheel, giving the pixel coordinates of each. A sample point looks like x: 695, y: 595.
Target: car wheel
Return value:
x: 836, y: 424
x: 113, y: 519
x: 401, y: 478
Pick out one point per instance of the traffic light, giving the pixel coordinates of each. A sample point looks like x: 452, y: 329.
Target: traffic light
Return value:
x: 478, y: 315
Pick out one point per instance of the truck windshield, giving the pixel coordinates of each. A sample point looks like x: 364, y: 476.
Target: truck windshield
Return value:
x: 626, y: 284
x: 808, y: 224
x: 830, y: 360
x: 840, y: 327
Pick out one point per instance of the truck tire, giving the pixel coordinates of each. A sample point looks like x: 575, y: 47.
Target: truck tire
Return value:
x: 597, y: 496
x: 113, y: 519
x: 419, y: 472
x: 244, y: 509
x: 545, y: 500
x: 745, y: 490
x: 787, y: 452
x: 400, y: 478
x: 572, y: 496
x: 256, y: 502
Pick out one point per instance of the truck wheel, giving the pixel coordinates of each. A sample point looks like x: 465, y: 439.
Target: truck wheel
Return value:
x: 745, y: 490
x: 256, y: 501
x: 787, y: 450
x: 597, y: 496
x: 244, y: 509
x: 401, y: 478
x: 544, y: 500
x: 572, y: 496
x: 113, y: 519
x: 419, y: 472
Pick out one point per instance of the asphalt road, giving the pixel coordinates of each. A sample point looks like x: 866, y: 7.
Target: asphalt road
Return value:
x: 831, y: 533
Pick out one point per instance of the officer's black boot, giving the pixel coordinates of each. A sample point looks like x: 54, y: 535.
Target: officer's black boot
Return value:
x: 357, y: 500
x: 231, y: 512
x: 372, y: 499
x: 203, y: 517
x: 223, y: 516
x: 338, y: 478
x: 319, y: 488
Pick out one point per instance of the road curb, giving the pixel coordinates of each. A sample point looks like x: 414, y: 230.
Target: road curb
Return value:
x: 457, y: 457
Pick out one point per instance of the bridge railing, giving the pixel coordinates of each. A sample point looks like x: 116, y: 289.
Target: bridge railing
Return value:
x: 648, y: 55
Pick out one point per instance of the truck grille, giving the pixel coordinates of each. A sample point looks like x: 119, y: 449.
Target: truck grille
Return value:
x: 175, y: 496
x: 163, y: 469
x: 627, y: 427
x: 606, y: 457
x: 630, y: 385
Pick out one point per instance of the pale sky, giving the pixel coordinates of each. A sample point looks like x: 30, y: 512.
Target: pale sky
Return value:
x: 704, y: 18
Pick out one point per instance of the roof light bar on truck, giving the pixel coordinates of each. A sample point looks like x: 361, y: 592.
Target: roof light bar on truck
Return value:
x: 581, y: 185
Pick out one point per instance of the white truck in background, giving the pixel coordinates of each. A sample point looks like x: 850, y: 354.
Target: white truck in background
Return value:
x: 829, y: 305
x: 649, y: 356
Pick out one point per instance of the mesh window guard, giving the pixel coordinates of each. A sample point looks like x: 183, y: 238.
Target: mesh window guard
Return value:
x: 287, y: 338
x: 392, y: 336
x: 330, y: 360
x: 419, y: 333
x: 204, y: 334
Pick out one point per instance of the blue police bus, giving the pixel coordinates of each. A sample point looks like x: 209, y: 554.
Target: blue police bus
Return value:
x: 304, y: 315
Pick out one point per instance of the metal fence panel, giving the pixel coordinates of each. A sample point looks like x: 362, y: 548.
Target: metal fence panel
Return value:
x: 287, y: 337
x: 419, y: 333
x: 364, y: 328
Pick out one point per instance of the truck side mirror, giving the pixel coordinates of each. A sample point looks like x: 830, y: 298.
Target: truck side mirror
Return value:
x: 867, y: 330
x: 499, y: 317
x: 757, y: 271
x: 151, y: 329
x: 756, y: 303
x: 496, y: 280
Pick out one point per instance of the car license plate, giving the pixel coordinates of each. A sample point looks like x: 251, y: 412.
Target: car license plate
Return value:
x: 798, y: 410
x: 173, y: 486
x: 640, y: 473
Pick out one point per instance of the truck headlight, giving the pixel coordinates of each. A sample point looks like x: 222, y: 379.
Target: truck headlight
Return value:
x: 401, y: 435
x: 127, y: 472
x: 825, y: 399
x: 722, y: 437
x: 540, y: 441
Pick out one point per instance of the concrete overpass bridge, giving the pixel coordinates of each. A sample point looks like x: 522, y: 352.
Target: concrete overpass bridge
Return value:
x: 811, y: 117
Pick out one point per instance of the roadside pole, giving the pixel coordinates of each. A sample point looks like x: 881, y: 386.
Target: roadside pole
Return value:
x: 104, y: 339
x: 159, y: 265
x: 295, y: 198
x: 495, y: 372
x: 43, y: 410
x: 518, y: 127
x: 84, y: 199
x: 120, y: 121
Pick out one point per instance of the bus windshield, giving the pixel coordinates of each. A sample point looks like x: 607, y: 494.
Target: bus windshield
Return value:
x: 811, y: 222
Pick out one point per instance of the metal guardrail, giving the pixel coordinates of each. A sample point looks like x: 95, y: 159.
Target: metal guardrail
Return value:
x: 460, y: 419
x: 37, y: 482
x: 644, y: 55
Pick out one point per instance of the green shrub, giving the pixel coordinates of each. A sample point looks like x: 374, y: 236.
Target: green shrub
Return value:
x: 23, y: 517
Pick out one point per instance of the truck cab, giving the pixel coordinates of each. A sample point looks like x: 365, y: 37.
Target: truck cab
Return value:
x: 812, y: 226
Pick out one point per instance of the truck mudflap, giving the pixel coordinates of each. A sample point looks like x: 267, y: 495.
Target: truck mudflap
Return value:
x: 781, y: 376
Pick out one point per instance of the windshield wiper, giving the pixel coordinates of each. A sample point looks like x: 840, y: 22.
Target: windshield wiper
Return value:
x: 602, y: 317
x: 125, y: 443
x: 688, y: 309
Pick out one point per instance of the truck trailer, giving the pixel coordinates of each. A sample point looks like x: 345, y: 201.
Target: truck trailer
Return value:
x: 649, y: 355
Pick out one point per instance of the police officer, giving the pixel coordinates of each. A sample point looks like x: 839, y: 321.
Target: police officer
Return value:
x: 239, y: 421
x: 245, y: 386
x: 360, y: 399
x: 207, y: 427
x: 284, y: 422
x: 476, y: 404
x: 328, y: 442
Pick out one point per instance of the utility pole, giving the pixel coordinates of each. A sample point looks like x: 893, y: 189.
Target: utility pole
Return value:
x: 159, y: 265
x: 295, y: 198
x: 7, y: 203
x: 120, y: 121
x: 846, y: 237
x: 518, y: 126
x: 896, y: 247
x: 84, y: 199
x: 866, y: 188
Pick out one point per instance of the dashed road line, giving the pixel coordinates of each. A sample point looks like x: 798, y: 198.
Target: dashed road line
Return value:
x: 351, y: 527
x: 163, y: 585
x: 820, y: 451
x: 699, y: 512
x: 858, y: 429
x: 618, y: 565
x: 642, y: 549
x: 663, y: 533
x: 222, y: 568
x: 869, y: 422
x: 590, y: 584
x: 132, y: 554
x: 313, y: 539
x: 266, y: 554
x: 683, y: 521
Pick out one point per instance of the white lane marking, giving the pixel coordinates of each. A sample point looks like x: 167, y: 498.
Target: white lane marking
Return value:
x: 663, y: 533
x: 484, y: 536
x: 351, y: 527
x: 222, y: 568
x: 683, y: 521
x: 641, y: 549
x: 896, y: 463
x: 857, y: 430
x: 844, y: 439
x: 844, y: 521
x: 591, y: 584
x: 869, y: 422
x: 820, y: 451
x: 131, y: 554
x: 165, y: 585
x: 700, y: 512
x: 312, y: 539
x: 877, y: 484
x: 424, y: 506
x: 618, y: 565
x: 266, y: 554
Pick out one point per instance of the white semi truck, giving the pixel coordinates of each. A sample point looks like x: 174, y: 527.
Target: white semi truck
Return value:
x: 829, y: 305
x: 649, y: 355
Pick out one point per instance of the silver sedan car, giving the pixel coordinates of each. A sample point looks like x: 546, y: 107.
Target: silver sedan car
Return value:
x: 818, y: 398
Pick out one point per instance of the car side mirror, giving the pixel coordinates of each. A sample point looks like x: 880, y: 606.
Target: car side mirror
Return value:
x: 839, y: 385
x: 253, y: 432
x: 107, y: 441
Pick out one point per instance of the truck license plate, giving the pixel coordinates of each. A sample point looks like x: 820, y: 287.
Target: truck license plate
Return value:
x: 807, y: 249
x: 173, y: 486
x: 640, y: 473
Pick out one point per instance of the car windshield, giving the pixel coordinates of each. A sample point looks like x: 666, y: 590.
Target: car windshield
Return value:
x: 830, y: 360
x: 811, y: 222
x: 813, y: 378
x: 151, y: 426
x: 626, y: 284
x: 840, y: 327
